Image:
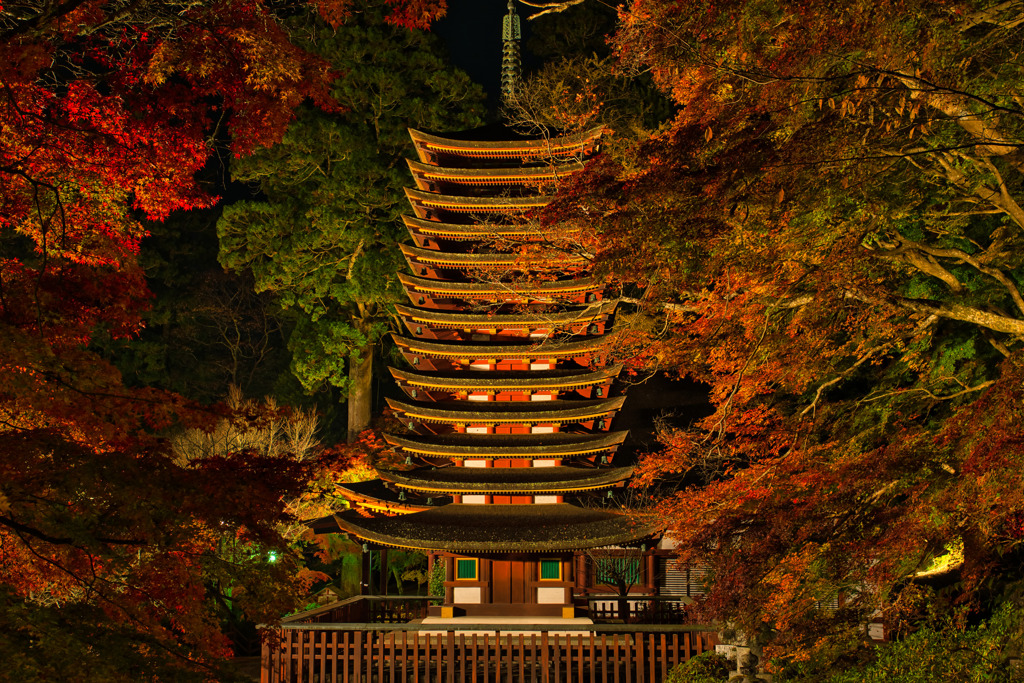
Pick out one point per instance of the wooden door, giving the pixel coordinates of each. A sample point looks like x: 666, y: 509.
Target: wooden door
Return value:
x: 508, y: 581
x: 501, y: 581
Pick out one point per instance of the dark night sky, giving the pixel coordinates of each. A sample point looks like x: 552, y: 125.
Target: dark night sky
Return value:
x: 472, y: 32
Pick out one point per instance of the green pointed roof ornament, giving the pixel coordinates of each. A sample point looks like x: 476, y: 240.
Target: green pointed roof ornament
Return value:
x: 511, y: 66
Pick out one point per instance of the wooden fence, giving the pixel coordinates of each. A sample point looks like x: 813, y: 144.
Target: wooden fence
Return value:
x: 477, y: 653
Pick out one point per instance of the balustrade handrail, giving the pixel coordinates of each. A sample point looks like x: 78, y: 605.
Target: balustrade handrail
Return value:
x: 352, y: 601
x: 502, y: 627
x: 351, y: 614
x: 634, y: 598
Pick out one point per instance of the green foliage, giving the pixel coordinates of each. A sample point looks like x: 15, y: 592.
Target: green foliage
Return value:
x: 322, y: 237
x: 435, y: 581
x: 946, y: 651
x: 79, y: 642
x: 705, y: 668
x: 408, y: 567
x: 206, y: 330
x: 318, y: 350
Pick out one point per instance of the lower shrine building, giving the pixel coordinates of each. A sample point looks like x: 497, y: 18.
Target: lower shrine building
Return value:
x: 508, y: 398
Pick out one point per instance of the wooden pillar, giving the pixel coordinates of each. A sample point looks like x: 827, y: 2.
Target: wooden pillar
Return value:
x: 484, y: 575
x: 582, y: 577
x: 649, y: 578
x: 449, y: 575
x: 383, y: 589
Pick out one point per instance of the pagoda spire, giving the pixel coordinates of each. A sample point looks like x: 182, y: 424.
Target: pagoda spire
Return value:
x: 511, y: 67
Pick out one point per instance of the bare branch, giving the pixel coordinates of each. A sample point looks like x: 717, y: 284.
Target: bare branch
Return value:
x: 843, y: 375
x: 550, y: 7
x: 931, y: 394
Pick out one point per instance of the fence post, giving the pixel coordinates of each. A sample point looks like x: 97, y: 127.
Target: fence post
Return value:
x: 545, y: 658
x: 265, y: 663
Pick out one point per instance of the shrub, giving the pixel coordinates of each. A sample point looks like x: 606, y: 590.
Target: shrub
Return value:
x: 706, y: 668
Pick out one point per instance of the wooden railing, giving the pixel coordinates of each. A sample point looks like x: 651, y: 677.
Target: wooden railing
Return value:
x: 369, y: 609
x: 604, y: 607
x: 484, y: 653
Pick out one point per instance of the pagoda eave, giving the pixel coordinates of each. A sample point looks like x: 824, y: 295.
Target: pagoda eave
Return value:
x: 507, y: 480
x: 427, y: 176
x: 522, y: 447
x: 433, y: 230
x: 546, y: 349
x: 596, y: 312
x: 427, y: 204
x: 373, y: 496
x: 511, y: 412
x: 430, y: 147
x: 417, y: 258
x: 563, y: 380
x: 463, y: 528
x: 571, y: 291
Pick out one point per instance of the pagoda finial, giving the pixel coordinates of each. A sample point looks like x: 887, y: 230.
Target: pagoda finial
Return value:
x: 511, y: 68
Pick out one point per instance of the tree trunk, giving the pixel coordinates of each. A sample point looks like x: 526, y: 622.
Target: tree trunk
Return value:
x: 623, y: 589
x: 360, y: 391
x: 623, y: 608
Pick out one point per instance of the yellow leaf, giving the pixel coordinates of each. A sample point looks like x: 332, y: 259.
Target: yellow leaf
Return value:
x: 708, y: 134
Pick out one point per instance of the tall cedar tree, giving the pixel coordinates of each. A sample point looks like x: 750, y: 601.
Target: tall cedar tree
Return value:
x: 324, y: 235
x: 831, y: 227
x: 109, y: 550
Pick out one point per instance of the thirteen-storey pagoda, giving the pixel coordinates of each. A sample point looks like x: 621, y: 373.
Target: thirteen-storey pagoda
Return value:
x: 508, y: 408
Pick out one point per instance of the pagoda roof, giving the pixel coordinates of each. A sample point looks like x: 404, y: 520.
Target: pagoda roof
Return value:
x: 487, y: 259
x: 505, y: 149
x: 462, y: 204
x: 494, y: 175
x: 525, y: 446
x: 463, y: 528
x: 375, y: 496
x: 498, y: 289
x: 530, y: 320
x: 543, y: 349
x: 473, y: 231
x: 509, y: 411
x: 450, y: 480
x: 522, y: 380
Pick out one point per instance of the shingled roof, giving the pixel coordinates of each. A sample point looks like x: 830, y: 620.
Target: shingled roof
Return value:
x: 535, y: 380
x: 511, y: 480
x: 460, y: 204
x: 473, y: 231
x: 375, y: 496
x: 561, y: 146
x: 545, y: 349
x: 441, y: 259
x: 456, y: 319
x: 494, y: 175
x: 464, y: 528
x: 548, y: 289
x: 528, y: 446
x: 494, y: 412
